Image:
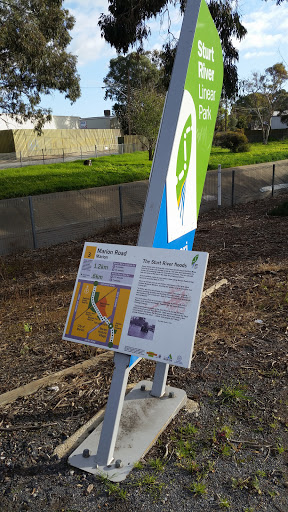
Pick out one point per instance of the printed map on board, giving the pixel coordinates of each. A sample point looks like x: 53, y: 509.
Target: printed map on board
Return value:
x: 100, y: 299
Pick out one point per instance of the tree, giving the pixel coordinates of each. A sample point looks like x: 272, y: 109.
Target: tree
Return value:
x: 127, y: 75
x: 34, y: 35
x: 264, y: 94
x: 126, y: 24
x: 146, y: 112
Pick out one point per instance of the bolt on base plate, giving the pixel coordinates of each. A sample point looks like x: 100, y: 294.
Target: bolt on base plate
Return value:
x: 143, y: 419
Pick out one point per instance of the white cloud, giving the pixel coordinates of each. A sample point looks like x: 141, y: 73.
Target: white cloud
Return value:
x: 255, y: 55
x: 265, y: 27
x: 87, y: 42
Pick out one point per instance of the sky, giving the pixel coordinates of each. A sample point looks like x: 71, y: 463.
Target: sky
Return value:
x: 265, y: 44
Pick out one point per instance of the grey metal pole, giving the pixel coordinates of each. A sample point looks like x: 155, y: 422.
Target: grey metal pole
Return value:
x: 32, y: 223
x: 113, y: 411
x: 233, y: 187
x: 273, y: 179
x: 120, y: 204
x: 219, y: 185
x: 95, y: 151
x: 63, y: 156
x: 21, y: 158
x: 159, y: 381
x: 43, y: 155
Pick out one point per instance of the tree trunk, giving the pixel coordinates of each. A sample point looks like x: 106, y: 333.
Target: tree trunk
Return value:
x: 265, y: 132
x: 150, y: 151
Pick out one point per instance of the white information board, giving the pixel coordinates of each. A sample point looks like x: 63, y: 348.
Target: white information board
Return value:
x: 138, y: 300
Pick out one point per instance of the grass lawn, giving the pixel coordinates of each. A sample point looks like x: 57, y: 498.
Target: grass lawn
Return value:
x: 258, y: 153
x: 42, y: 179
x: 114, y: 169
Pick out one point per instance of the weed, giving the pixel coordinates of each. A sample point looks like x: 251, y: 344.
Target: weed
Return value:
x: 280, y: 449
x: 193, y: 467
x: 185, y: 449
x: 156, y: 464
x: 198, y: 488
x: 189, y: 430
x: 226, y: 450
x: 255, y: 484
x: 224, y: 503
x: 233, y: 394
x: 261, y: 473
x: 273, y: 494
x: 27, y: 327
x: 25, y: 349
x: 150, y: 485
x: 138, y: 465
x: 112, y: 489
x: 240, y: 483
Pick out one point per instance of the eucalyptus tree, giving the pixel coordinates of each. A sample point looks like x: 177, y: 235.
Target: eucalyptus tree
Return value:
x: 34, y: 61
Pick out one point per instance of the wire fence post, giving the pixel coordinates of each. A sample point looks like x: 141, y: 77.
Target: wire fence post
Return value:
x: 219, y: 185
x: 233, y: 187
x: 63, y: 156
x: 43, y: 155
x: 120, y: 204
x: 273, y: 180
x: 95, y: 151
x: 21, y: 159
x: 81, y: 153
x: 32, y: 223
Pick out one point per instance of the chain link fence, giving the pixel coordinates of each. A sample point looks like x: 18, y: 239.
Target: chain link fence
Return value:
x: 44, y: 220
x: 49, y: 156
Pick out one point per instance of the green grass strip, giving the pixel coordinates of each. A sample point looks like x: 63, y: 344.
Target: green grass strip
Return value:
x: 115, y: 169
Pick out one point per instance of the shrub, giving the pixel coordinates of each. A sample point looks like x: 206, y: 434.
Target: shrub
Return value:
x: 237, y: 142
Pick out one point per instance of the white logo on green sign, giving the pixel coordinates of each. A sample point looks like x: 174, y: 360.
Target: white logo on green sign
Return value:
x: 182, y: 167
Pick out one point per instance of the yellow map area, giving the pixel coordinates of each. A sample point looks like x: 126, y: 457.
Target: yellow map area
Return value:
x: 86, y: 325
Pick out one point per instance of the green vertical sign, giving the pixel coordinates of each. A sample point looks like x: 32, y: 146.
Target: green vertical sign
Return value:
x: 186, y: 134
x: 204, y: 83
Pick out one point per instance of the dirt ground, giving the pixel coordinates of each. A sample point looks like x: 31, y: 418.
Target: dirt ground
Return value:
x: 232, y: 454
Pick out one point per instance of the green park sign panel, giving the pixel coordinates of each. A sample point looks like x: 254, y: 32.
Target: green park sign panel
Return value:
x: 185, y: 136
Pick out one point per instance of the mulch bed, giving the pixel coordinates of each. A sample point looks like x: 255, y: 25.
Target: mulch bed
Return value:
x: 236, y: 447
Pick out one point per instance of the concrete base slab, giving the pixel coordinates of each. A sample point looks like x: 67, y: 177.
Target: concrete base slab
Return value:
x: 142, y: 421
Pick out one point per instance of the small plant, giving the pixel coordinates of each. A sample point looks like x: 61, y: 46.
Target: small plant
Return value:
x: 280, y: 449
x: 150, y: 485
x: 156, y: 464
x: 261, y: 473
x: 138, y: 465
x: 226, y: 450
x: 194, y: 467
x: 27, y: 327
x: 198, y: 488
x: 189, y: 430
x: 224, y: 503
x: 255, y: 484
x: 240, y: 483
x: 113, y: 489
x: 233, y: 394
x: 185, y: 449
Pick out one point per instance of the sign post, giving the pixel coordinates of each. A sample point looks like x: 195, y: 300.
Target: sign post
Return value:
x: 169, y: 222
x: 184, y: 142
x: 141, y: 301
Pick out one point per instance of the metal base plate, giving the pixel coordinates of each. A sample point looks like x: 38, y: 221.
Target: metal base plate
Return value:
x: 143, y: 419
